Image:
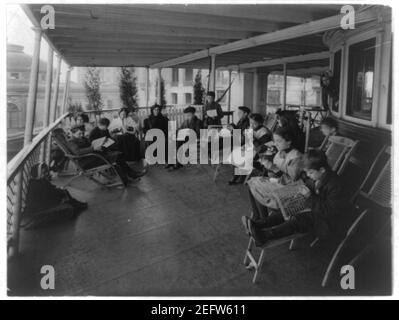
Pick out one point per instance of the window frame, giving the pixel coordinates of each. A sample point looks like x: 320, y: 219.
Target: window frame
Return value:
x: 376, y: 78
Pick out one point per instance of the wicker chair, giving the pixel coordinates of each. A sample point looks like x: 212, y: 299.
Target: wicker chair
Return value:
x: 106, y: 169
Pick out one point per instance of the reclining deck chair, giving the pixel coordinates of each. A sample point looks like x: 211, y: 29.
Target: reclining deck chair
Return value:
x: 375, y: 191
x: 290, y: 202
x: 271, y: 122
x: 92, y: 173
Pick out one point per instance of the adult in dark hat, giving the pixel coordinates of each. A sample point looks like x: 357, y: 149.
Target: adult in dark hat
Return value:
x: 157, y: 120
x: 77, y: 127
x: 242, y: 124
x: 213, y: 112
x: 191, y: 121
x: 243, y: 118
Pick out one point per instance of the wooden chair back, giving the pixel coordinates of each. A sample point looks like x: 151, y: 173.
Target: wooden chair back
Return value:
x: 339, y: 151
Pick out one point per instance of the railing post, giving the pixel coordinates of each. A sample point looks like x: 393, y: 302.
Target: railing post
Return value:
x: 147, y: 87
x: 229, y: 94
x: 159, y: 95
x: 29, y: 125
x: 53, y: 110
x: 212, y: 75
x: 284, y: 85
x: 66, y: 91
x: 34, y: 74
x: 255, y: 91
x: 47, y: 100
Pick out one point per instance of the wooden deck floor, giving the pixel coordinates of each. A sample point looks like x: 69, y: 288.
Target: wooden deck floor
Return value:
x: 172, y: 233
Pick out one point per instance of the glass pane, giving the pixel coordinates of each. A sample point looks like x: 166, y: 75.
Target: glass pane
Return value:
x: 336, y: 79
x: 361, y: 79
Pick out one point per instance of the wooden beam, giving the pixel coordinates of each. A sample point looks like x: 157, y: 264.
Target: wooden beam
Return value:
x: 284, y: 85
x: 272, y: 62
x: 305, y: 29
x: 63, y: 24
x: 147, y: 16
x: 129, y: 39
x: 270, y: 12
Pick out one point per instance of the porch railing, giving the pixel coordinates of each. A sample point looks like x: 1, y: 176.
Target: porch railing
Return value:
x: 18, y: 176
x: 173, y: 112
x: 19, y: 168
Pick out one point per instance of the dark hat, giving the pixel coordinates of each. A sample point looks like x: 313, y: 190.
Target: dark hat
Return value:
x: 245, y: 109
x: 211, y: 94
x: 189, y: 110
x: 77, y: 127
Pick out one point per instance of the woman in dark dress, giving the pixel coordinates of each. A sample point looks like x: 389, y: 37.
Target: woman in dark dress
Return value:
x: 156, y: 120
x: 122, y: 132
x: 288, y: 119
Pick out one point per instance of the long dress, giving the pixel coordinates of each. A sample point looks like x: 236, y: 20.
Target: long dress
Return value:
x: 122, y: 131
x: 289, y: 165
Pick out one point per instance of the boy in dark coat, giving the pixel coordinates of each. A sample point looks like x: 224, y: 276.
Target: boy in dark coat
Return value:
x: 212, y: 105
x: 192, y: 122
x: 326, y: 203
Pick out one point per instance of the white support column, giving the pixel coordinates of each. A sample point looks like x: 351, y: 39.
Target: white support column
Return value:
x: 159, y: 97
x: 32, y: 95
x: 66, y: 91
x: 255, y: 84
x: 229, y: 94
x: 47, y: 98
x: 266, y: 83
x: 284, y: 86
x: 212, y: 74
x: 53, y: 110
x: 147, y: 87
x: 29, y: 125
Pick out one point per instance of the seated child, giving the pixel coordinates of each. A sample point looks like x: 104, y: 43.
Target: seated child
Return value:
x: 325, y: 203
x: 80, y: 145
x: 191, y: 121
x: 101, y: 130
x: 329, y: 128
x: 45, y: 198
x: 261, y: 136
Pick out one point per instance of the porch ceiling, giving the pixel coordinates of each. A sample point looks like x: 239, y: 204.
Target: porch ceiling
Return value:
x: 144, y: 35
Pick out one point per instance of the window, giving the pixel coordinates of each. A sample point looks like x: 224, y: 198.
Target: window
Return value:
x: 188, y: 76
x: 109, y: 103
x: 273, y: 97
x: 389, y: 107
x: 360, y: 79
x: 336, y: 78
x: 174, y: 98
x: 175, y: 77
x: 188, y: 97
x: 222, y: 77
x: 14, y: 75
x: 219, y: 93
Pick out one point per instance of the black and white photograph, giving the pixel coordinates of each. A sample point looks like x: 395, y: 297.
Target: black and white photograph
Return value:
x: 225, y: 149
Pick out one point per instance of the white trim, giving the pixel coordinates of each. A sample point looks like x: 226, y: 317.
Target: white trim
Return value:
x: 332, y: 63
x: 309, y: 28
x: 359, y: 38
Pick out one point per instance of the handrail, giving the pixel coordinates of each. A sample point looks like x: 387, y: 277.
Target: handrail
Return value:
x: 16, y: 162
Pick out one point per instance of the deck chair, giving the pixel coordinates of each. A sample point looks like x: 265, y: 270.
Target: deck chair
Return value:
x: 219, y: 165
x: 271, y: 121
x: 296, y: 205
x: 338, y: 154
x: 107, y: 170
x: 376, y: 190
